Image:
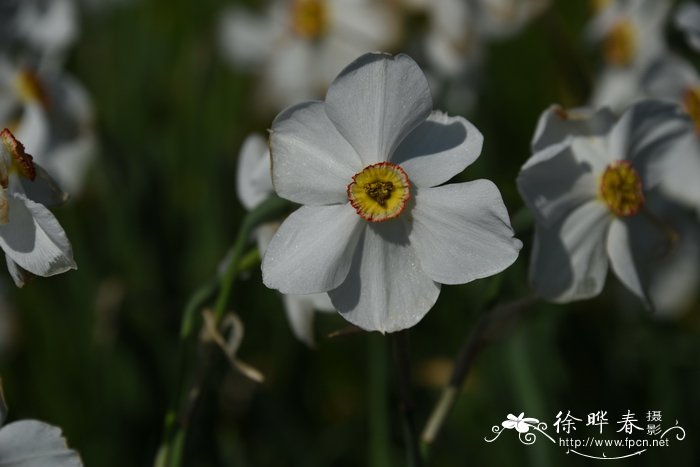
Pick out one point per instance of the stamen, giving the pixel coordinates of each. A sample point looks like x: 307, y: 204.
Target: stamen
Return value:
x: 310, y: 18
x: 691, y: 102
x: 621, y: 189
x: 379, y: 192
x: 620, y: 46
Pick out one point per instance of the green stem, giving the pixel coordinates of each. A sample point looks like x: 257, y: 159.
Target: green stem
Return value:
x: 379, y: 455
x: 487, y: 328
x: 177, y: 419
x: 403, y: 369
x: 273, y: 206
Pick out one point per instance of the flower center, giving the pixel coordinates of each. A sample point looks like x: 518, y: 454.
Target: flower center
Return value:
x: 691, y: 102
x: 30, y: 88
x: 620, y: 45
x: 310, y: 18
x: 379, y: 192
x: 621, y: 189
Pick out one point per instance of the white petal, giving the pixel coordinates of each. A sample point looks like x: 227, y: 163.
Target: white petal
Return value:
x: 300, y: 313
x: 621, y: 258
x: 438, y: 149
x: 669, y: 77
x: 646, y: 131
x: 30, y: 443
x: 290, y: 74
x: 386, y: 290
x: 311, y: 162
x: 681, y: 171
x: 34, y: 239
x: 461, y: 232
x: 253, y: 178
x: 33, y: 129
x: 509, y: 424
x: 559, y: 179
x: 556, y: 125
x: 43, y: 189
x: 373, y: 25
x: 569, y: 261
x: 376, y: 101
x: 19, y: 275
x: 246, y: 39
x: 312, y: 250
x: 687, y: 18
x: 617, y: 88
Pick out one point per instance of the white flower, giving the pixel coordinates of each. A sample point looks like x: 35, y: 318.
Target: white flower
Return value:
x: 254, y: 185
x: 630, y: 34
x: 301, y: 45
x: 43, y: 29
x: 30, y: 236
x: 375, y: 230
x: 31, y: 443
x: 673, y: 78
x: 587, y: 184
x: 687, y: 19
x: 521, y: 424
x: 52, y: 115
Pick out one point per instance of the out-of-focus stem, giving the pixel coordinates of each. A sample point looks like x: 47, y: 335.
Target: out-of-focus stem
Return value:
x: 483, y: 333
x: 378, y: 420
x: 403, y: 371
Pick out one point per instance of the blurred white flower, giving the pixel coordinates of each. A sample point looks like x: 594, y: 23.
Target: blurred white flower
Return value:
x: 375, y: 230
x: 254, y: 185
x: 673, y: 78
x: 299, y: 46
x: 505, y: 18
x: 587, y: 185
x: 39, y: 30
x: 51, y: 114
x: 687, y: 18
x: 630, y: 35
x: 31, y: 443
x: 30, y: 236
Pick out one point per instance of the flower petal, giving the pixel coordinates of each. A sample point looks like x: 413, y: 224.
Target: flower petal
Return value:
x: 253, y: 178
x: 43, y: 189
x: 311, y: 162
x: 34, y: 239
x: 645, y: 132
x: 559, y: 179
x: 31, y: 443
x: 19, y: 275
x: 622, y: 259
x: 312, y: 250
x: 569, y: 261
x: 300, y: 313
x: 376, y: 101
x: 461, y: 232
x: 556, y: 124
x: 386, y: 290
x: 438, y: 149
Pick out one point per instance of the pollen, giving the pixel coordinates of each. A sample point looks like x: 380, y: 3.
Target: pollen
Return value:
x: 379, y: 192
x: 620, y: 46
x: 310, y: 18
x: 621, y: 189
x: 31, y: 88
x: 691, y: 102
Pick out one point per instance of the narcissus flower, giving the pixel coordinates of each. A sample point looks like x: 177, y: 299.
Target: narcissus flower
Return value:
x: 30, y: 236
x: 31, y: 443
x: 587, y: 185
x: 687, y: 18
x: 376, y: 231
x: 254, y: 185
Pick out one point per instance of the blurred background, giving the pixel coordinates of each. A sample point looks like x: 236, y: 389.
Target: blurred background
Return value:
x: 96, y: 351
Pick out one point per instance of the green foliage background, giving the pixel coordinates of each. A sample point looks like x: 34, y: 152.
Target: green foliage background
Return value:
x: 95, y: 351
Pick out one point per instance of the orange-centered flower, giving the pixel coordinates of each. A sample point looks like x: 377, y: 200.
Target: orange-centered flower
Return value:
x: 379, y: 192
x: 621, y: 189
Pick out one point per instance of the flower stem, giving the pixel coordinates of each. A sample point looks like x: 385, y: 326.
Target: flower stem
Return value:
x: 406, y: 405
x: 483, y: 333
x: 177, y: 418
x: 379, y: 455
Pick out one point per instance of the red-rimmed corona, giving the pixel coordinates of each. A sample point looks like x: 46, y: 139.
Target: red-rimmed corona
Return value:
x: 379, y: 192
